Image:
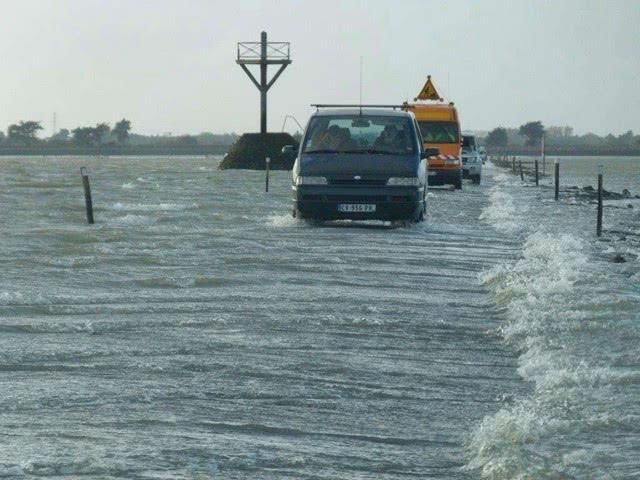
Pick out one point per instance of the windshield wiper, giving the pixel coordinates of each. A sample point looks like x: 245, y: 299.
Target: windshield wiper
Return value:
x: 325, y: 150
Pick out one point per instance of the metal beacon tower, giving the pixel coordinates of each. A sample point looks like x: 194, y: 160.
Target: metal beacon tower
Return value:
x: 263, y: 53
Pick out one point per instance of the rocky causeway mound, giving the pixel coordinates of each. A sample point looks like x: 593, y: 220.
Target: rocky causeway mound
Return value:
x: 251, y: 149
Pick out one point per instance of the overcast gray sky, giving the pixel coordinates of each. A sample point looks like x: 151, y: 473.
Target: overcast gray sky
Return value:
x: 169, y: 66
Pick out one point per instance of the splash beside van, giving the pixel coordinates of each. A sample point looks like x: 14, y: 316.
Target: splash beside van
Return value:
x: 440, y: 128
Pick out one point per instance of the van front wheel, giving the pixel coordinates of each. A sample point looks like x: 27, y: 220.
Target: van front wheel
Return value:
x: 420, y: 216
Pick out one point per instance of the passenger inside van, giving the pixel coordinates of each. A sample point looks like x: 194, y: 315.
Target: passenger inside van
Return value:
x: 324, y: 139
x: 334, y: 138
x: 392, y: 139
x: 344, y: 140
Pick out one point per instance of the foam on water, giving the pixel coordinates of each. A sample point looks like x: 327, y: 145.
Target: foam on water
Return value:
x: 282, y: 221
x: 501, y: 212
x: 9, y: 298
x: 131, y: 219
x: 559, y: 318
x: 152, y: 207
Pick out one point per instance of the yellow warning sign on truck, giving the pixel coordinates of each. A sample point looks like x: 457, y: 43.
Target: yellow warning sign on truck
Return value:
x: 429, y: 91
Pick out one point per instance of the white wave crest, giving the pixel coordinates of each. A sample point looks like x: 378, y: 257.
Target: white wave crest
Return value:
x: 501, y: 211
x: 498, y: 445
x: 546, y: 314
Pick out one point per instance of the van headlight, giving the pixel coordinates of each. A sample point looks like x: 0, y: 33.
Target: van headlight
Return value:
x: 404, y: 181
x: 300, y: 180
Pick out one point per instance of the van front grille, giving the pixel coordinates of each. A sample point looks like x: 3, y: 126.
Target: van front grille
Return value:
x: 354, y: 182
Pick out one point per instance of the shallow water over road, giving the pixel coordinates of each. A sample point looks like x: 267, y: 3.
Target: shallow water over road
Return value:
x: 197, y: 330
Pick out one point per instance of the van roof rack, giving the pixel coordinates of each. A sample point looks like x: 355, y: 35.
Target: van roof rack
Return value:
x: 318, y: 106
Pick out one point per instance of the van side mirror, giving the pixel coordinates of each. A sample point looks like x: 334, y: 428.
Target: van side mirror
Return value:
x: 288, y: 149
x: 430, y: 152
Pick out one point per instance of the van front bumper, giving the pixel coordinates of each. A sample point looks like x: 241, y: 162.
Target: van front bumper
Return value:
x: 323, y: 202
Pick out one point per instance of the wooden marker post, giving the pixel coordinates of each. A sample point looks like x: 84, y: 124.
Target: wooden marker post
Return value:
x: 87, y: 194
x: 544, y: 158
x: 513, y: 164
x: 557, y: 178
x: 267, y: 162
x: 537, y: 175
x: 599, y: 220
x: 521, y: 172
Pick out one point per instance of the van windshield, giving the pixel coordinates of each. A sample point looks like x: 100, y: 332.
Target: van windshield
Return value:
x: 383, y: 134
x: 439, y: 132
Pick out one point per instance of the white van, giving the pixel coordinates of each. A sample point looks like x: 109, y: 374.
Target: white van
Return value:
x: 471, y: 159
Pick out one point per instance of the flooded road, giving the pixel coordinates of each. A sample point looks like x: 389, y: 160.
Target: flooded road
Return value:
x: 198, y: 331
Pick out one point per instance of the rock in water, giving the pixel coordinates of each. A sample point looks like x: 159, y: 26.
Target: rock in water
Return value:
x: 617, y: 258
x: 250, y: 150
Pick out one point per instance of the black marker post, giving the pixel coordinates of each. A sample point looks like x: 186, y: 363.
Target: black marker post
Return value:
x: 84, y: 171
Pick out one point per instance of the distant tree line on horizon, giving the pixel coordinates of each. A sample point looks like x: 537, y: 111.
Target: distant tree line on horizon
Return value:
x: 25, y: 133
x: 530, y: 135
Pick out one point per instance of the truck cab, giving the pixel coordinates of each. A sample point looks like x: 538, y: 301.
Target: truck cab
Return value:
x: 440, y: 129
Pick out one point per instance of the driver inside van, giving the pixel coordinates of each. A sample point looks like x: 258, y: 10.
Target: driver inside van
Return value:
x: 325, y: 139
x: 391, y: 139
x: 334, y: 138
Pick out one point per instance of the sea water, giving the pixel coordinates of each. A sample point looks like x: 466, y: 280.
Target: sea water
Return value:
x: 573, y: 318
x: 197, y: 330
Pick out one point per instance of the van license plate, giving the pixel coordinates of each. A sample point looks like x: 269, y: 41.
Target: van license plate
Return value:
x: 356, y: 207
x: 432, y: 174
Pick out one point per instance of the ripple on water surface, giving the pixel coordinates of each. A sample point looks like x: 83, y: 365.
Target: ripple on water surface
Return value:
x: 198, y: 330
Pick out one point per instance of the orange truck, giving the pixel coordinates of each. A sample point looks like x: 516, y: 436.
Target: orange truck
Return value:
x: 440, y: 127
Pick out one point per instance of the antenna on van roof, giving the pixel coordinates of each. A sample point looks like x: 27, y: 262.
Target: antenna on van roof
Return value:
x: 360, y: 84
